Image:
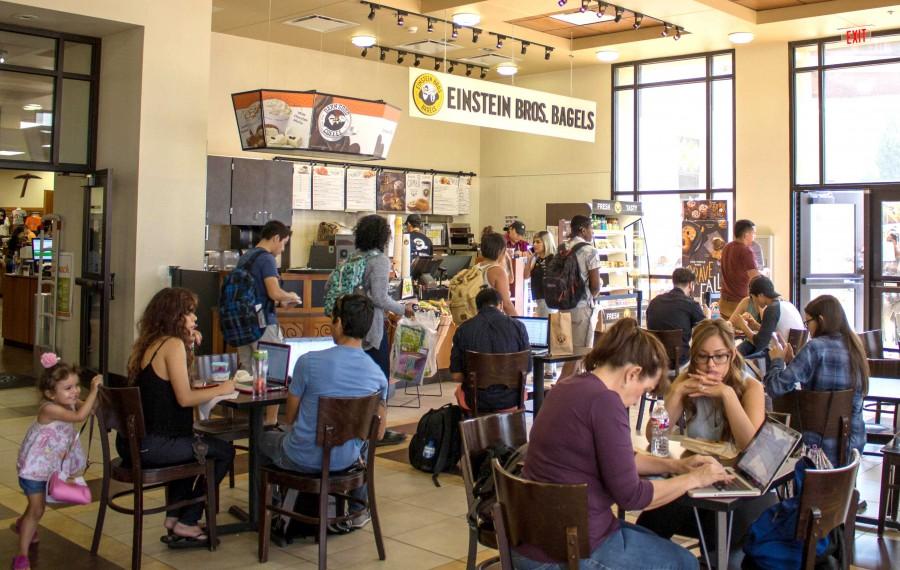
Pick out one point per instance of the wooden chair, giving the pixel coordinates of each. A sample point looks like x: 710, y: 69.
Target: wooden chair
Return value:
x: 549, y: 516
x: 231, y: 427
x: 672, y: 341
x: 873, y: 343
x: 339, y: 421
x: 826, y: 413
x: 826, y: 502
x: 478, y: 435
x: 889, y: 495
x: 120, y: 409
x: 797, y: 338
x: 504, y: 369
x: 876, y: 432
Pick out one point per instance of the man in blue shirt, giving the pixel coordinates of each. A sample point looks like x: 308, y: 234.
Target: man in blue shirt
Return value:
x: 344, y: 370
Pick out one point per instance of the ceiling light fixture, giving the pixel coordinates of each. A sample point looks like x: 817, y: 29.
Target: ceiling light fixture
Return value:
x: 10, y: 152
x: 400, y: 56
x: 32, y: 107
x: 382, y: 54
x: 483, y: 72
x: 3, y: 55
x: 601, y: 9
x: 665, y: 31
x: 547, y: 52
x: 500, y: 41
x: 678, y: 31
x: 607, y: 55
x: 525, y: 47
x: 437, y: 65
x: 468, y: 70
x: 584, y: 5
x: 418, y: 60
x: 638, y: 20
x: 475, y: 32
x: 455, y: 33
x: 430, y: 25
x: 372, y: 9
x: 400, y: 18
x: 507, y: 69
x: 450, y: 66
x: 619, y: 12
x: 466, y: 19
x: 740, y: 37
x: 365, y: 52
x: 363, y: 41
x: 561, y: 3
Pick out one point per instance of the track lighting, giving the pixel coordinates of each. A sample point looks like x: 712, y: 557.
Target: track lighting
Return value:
x: 455, y: 33
x: 665, y: 31
x: 475, y: 32
x: 500, y: 41
x: 400, y: 18
x: 677, y: 33
x: 430, y: 25
x: 584, y: 5
x: 619, y: 11
x: 468, y: 70
x: 601, y: 9
x: 418, y: 60
x: 561, y: 3
x: 382, y: 54
x: 547, y: 52
x: 525, y: 47
x: 400, y: 56
x: 365, y: 51
x: 483, y: 73
x: 437, y: 65
x: 372, y: 9
x: 450, y: 66
x: 638, y: 19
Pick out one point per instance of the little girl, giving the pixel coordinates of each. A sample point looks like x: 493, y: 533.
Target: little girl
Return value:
x: 50, y: 438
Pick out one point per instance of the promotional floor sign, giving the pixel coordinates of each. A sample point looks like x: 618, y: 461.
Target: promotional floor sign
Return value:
x: 704, y: 234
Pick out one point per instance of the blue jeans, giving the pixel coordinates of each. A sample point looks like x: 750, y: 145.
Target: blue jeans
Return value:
x: 629, y: 547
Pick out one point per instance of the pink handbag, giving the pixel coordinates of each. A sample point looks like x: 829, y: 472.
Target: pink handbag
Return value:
x: 76, y: 492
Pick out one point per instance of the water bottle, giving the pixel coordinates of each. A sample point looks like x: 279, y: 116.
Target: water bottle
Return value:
x: 429, y: 450
x: 260, y: 372
x: 659, y: 427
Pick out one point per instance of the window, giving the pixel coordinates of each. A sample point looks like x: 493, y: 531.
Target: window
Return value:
x: 673, y: 140
x: 48, y: 101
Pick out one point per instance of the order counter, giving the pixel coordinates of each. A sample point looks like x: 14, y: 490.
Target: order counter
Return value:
x: 18, y: 309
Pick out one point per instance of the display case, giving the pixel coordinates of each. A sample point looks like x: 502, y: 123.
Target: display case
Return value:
x: 619, y: 242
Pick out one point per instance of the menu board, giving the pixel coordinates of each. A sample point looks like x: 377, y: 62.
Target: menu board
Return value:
x: 446, y: 195
x: 328, y: 188
x: 466, y: 184
x: 418, y: 192
x: 361, y: 189
x: 301, y: 187
x: 391, y: 195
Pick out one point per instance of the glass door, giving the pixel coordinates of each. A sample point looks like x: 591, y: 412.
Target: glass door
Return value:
x: 96, y: 281
x: 831, y: 246
x: 885, y: 240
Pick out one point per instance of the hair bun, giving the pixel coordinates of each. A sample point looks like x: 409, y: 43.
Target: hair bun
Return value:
x: 49, y: 359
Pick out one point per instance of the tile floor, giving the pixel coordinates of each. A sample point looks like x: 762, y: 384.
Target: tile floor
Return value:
x: 424, y: 526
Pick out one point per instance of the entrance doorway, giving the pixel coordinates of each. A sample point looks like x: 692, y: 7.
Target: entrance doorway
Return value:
x: 884, y: 224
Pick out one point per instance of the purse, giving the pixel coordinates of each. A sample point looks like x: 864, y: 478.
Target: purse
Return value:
x: 75, y: 492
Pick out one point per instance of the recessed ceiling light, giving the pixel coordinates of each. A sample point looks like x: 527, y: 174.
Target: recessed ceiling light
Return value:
x: 740, y: 37
x: 10, y: 153
x: 363, y: 41
x: 581, y: 18
x: 45, y: 146
x: 32, y: 107
x: 466, y: 19
x: 26, y: 17
x: 607, y: 55
x: 507, y: 69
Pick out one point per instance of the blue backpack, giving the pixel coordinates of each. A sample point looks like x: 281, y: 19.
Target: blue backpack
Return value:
x: 770, y: 542
x: 238, y: 315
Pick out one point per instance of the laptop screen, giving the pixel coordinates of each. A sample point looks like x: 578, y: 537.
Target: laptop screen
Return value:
x: 302, y: 345
x: 764, y: 455
x: 279, y: 356
x: 538, y: 329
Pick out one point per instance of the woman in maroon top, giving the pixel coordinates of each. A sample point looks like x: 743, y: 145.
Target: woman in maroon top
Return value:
x: 582, y: 435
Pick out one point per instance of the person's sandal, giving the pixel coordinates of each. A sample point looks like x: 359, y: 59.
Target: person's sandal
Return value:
x: 20, y: 563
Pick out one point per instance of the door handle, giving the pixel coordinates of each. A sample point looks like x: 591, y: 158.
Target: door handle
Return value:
x: 112, y: 286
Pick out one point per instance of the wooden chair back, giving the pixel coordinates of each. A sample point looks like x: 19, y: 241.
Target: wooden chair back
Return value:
x: 824, y: 503
x: 203, y: 364
x: 873, y: 343
x: 826, y: 413
x: 343, y: 419
x: 120, y: 409
x: 797, y: 338
x: 504, y: 369
x: 550, y: 516
x: 480, y: 434
x: 884, y: 367
x: 672, y: 341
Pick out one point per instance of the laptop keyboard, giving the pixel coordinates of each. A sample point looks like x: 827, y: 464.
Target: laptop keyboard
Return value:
x: 734, y: 485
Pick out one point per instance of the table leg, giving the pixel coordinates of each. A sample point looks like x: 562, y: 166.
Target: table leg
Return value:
x: 703, y: 549
x: 722, y: 540
x: 249, y: 520
x: 537, y: 373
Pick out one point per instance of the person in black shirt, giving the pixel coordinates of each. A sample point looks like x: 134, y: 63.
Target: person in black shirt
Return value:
x: 419, y: 244
x: 676, y: 311
x: 490, y: 332
x: 544, y: 250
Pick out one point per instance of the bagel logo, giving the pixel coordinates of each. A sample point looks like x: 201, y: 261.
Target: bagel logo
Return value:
x: 334, y: 122
x: 617, y: 207
x: 428, y: 94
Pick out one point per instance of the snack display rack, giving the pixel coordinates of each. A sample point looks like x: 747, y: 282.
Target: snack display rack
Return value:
x: 618, y: 239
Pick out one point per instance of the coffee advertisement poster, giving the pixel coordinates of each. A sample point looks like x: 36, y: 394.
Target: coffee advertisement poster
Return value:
x: 391, y: 191
x: 704, y: 234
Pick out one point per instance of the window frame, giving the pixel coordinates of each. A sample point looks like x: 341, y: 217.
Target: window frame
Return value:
x: 58, y: 75
x: 634, y: 193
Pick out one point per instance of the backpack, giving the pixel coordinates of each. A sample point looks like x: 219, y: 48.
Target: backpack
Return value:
x: 437, y: 445
x: 563, y: 285
x: 346, y: 279
x: 512, y: 459
x: 238, y: 312
x: 770, y: 543
x: 463, y: 289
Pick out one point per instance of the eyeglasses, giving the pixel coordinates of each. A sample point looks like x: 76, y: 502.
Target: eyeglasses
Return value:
x: 720, y: 358
x: 807, y: 321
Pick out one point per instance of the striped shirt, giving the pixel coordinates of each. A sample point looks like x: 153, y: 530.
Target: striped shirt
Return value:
x: 823, y: 364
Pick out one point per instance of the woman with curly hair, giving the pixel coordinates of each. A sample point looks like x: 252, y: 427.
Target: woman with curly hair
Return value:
x: 159, y: 365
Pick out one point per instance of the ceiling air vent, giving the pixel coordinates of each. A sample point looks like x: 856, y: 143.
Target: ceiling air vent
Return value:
x: 429, y: 47
x: 490, y: 59
x: 318, y: 23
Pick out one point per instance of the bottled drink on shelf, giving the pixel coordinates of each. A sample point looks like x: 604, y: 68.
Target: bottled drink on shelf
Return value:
x: 659, y: 428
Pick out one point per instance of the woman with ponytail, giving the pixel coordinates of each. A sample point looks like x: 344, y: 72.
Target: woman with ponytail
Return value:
x: 582, y: 435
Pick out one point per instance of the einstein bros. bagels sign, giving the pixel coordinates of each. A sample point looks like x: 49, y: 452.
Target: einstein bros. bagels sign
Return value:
x: 454, y: 99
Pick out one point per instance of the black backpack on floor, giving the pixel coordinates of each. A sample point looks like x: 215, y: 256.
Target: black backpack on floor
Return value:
x: 437, y: 445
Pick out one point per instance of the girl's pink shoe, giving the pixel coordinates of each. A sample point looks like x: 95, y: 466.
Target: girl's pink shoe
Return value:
x: 15, y: 528
x: 20, y: 563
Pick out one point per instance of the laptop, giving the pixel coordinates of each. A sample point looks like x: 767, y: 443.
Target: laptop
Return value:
x: 538, y: 329
x: 277, y: 377
x: 302, y: 345
x: 757, y: 465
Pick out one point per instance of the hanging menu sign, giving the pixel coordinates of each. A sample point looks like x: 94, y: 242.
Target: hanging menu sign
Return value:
x: 361, y: 189
x: 446, y: 195
x: 418, y: 192
x: 328, y: 188
x: 391, y: 191
x: 301, y: 187
x: 455, y: 99
x: 466, y: 184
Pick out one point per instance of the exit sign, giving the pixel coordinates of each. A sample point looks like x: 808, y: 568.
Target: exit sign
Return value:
x: 859, y: 36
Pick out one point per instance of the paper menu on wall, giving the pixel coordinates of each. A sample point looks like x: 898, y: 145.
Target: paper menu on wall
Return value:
x: 361, y: 189
x: 418, y: 192
x: 446, y: 195
x: 466, y: 183
x: 328, y: 188
x: 301, y: 188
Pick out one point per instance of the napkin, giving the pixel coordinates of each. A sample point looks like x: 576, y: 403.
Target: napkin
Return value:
x: 206, y: 407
